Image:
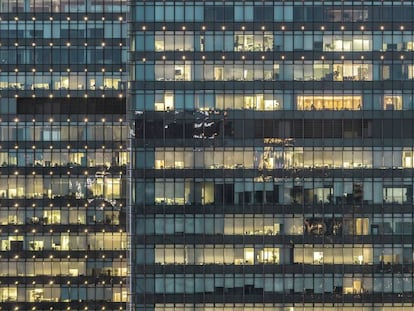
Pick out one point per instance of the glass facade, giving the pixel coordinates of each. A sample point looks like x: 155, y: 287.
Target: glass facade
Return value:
x: 63, y: 155
x: 272, y: 155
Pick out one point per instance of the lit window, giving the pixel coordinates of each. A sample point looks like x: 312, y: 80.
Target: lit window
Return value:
x: 269, y: 255
x: 352, y: 72
x: 8, y: 293
x: 253, y: 42
x: 318, y: 258
x: 164, y: 101
x: 392, y: 102
x: 347, y: 43
x: 396, y: 195
x: 408, y: 158
x: 329, y: 102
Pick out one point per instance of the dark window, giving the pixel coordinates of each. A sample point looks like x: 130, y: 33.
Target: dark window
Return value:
x: 317, y: 129
x: 310, y: 14
x: 258, y: 129
x: 70, y: 106
x: 224, y: 193
x: 273, y: 196
x: 407, y: 130
x: 263, y: 13
x: 328, y: 129
x: 308, y: 128
x: 376, y: 13
x: 12, y: 34
x: 72, y: 33
x: 249, y: 129
x: 174, y: 129
x: 43, y: 56
x: 318, y: 13
x: 76, y: 56
x: 298, y: 14
x: 268, y: 128
x: 387, y: 14
x: 285, y: 129
x: 36, y: 33
x: 337, y: 128
x: 297, y: 128
x: 228, y: 128
x: 219, y: 13
x: 367, y: 130
x: 154, y: 129
x: 96, y: 33
x: 387, y: 128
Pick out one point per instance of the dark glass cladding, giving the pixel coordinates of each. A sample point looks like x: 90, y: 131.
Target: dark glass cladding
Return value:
x: 265, y: 128
x: 318, y: 13
x: 116, y: 106
x: 272, y: 158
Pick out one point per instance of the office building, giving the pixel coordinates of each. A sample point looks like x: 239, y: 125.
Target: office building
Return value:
x: 272, y: 155
x: 62, y: 155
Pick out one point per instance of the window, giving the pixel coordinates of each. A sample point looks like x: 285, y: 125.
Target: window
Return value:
x: 395, y: 195
x: 268, y: 255
x: 317, y: 258
x: 392, y: 102
x: 263, y: 13
x: 164, y: 102
x: 347, y: 43
x: 346, y: 14
x: 218, y: 13
x: 174, y: 41
x: 52, y: 134
x: 408, y: 158
x: 352, y: 72
x: 329, y: 102
x: 245, y: 41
